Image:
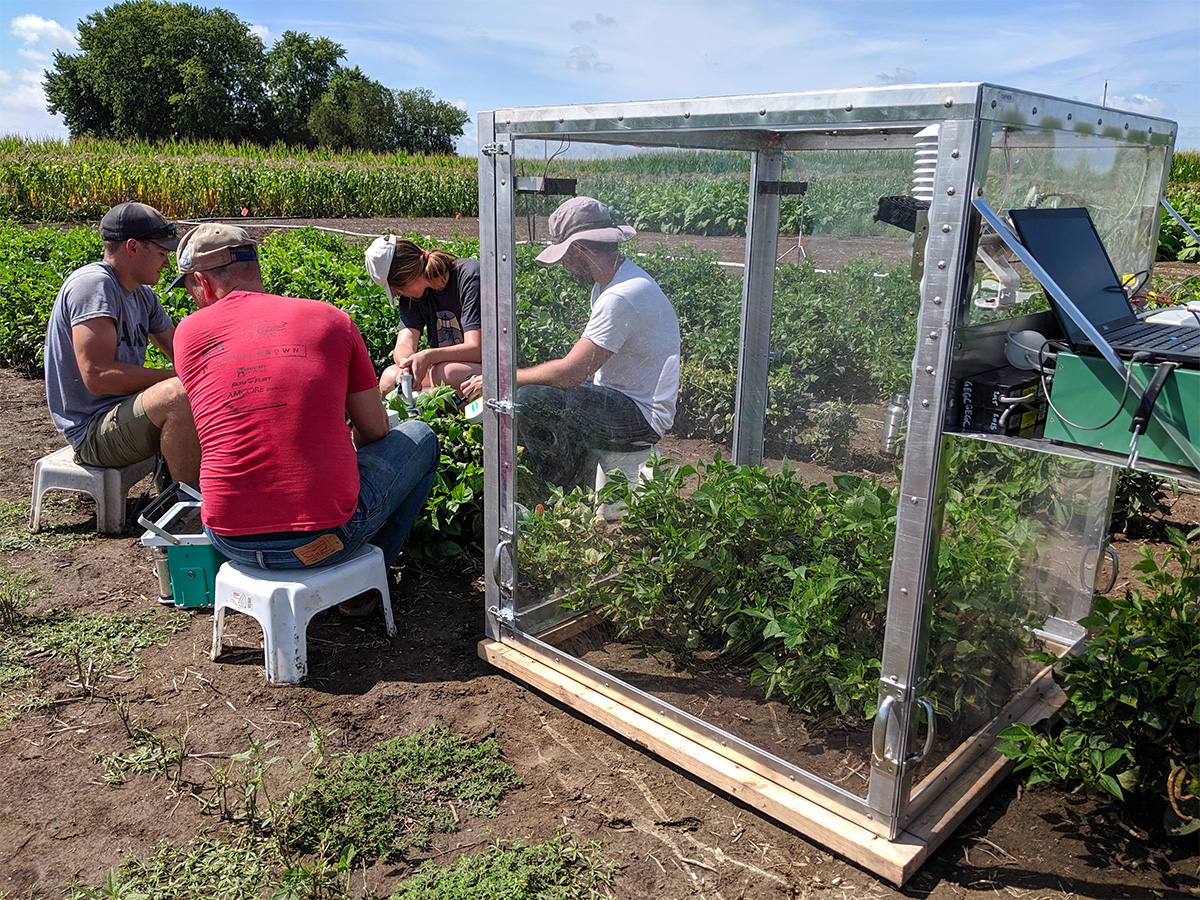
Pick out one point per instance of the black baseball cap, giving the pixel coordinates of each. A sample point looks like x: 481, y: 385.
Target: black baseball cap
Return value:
x: 139, y: 222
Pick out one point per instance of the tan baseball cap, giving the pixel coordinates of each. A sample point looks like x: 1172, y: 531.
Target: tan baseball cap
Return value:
x: 211, y: 246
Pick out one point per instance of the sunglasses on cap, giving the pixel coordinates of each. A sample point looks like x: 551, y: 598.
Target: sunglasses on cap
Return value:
x: 167, y: 230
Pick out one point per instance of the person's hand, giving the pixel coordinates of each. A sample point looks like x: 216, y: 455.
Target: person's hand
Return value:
x: 420, y: 364
x: 472, y: 388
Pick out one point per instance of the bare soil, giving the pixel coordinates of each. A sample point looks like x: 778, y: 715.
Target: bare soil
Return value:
x: 673, y: 836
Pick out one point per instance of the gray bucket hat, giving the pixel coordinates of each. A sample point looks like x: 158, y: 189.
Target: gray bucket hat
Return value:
x: 581, y: 219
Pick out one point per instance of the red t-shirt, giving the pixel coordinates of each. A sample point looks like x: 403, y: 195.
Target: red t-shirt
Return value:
x: 267, y: 378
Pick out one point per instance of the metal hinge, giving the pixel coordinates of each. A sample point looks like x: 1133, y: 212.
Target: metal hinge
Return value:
x: 503, y: 407
x: 497, y: 148
x: 507, y: 616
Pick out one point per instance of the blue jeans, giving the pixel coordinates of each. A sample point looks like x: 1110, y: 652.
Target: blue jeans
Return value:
x: 395, y: 476
x: 560, y: 428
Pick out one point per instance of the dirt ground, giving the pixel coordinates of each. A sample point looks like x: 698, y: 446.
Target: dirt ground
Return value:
x: 673, y: 836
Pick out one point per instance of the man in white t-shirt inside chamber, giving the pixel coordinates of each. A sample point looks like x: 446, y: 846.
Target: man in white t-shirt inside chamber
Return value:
x: 615, y: 389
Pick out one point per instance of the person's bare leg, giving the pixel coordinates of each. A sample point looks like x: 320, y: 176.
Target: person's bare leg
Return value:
x: 389, y: 379
x: 166, y: 405
x: 454, y: 373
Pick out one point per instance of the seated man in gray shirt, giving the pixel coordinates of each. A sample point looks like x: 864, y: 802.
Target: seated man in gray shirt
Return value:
x: 111, y: 408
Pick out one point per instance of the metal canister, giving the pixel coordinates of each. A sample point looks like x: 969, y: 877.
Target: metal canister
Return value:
x: 893, y: 425
x: 163, y: 568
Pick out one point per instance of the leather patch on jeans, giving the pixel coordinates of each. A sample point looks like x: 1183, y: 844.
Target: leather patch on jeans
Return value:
x: 322, y: 548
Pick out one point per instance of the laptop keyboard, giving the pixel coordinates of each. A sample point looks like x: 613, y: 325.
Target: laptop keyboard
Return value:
x: 1152, y: 336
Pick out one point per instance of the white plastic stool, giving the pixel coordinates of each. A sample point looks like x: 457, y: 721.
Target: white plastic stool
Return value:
x: 284, y: 600
x: 108, y: 487
x: 635, y: 465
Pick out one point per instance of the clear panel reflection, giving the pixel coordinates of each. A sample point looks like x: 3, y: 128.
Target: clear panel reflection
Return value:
x: 750, y: 597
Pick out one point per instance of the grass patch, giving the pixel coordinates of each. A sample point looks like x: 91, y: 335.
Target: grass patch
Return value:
x: 393, y: 797
x: 15, y: 595
x: 147, y: 753
x: 102, y: 644
x: 97, y: 645
x: 357, y: 809
x: 559, y: 869
x: 206, y: 868
x: 55, y: 535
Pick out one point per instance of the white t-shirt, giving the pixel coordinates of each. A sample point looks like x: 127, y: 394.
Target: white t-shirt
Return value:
x: 633, y: 319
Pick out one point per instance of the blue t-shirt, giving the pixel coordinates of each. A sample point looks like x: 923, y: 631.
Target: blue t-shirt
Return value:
x: 91, y: 292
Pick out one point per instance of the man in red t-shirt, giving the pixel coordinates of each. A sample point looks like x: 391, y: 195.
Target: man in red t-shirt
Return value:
x: 271, y: 381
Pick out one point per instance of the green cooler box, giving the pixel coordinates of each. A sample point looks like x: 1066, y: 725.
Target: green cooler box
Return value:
x: 1086, y: 391
x: 191, y: 559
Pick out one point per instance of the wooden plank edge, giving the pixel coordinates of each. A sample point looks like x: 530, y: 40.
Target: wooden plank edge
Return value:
x: 960, y: 798
x: 569, y: 628
x: 734, y: 754
x: 893, y: 860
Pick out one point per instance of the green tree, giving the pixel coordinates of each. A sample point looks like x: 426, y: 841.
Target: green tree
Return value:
x: 157, y: 70
x: 355, y: 112
x: 298, y: 72
x: 426, y: 125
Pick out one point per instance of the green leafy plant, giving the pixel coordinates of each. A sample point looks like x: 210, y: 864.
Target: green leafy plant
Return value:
x: 453, y: 515
x: 558, y: 869
x: 1139, y: 503
x: 391, y: 798
x: 1132, y: 717
x: 95, y: 645
x: 205, y: 867
x: 563, y: 540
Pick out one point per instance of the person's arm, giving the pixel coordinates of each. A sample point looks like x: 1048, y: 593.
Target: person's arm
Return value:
x: 165, y: 341
x: 407, y: 342
x: 95, y: 343
x: 579, y: 365
x: 367, y: 415
x: 469, y: 351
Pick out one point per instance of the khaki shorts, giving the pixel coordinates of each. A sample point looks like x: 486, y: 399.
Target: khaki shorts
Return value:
x: 121, y: 436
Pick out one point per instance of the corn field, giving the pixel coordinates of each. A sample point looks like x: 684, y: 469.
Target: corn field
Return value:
x: 53, y: 181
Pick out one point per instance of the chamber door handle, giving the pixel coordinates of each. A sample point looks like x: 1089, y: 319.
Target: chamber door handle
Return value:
x: 930, y: 731
x: 879, y: 732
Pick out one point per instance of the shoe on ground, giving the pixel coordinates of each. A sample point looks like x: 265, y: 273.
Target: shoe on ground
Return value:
x: 362, y: 605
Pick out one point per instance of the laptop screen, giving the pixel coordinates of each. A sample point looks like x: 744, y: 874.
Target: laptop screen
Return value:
x: 1065, y: 243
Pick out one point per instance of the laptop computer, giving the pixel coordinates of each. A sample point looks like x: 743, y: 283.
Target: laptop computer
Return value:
x: 1066, y: 244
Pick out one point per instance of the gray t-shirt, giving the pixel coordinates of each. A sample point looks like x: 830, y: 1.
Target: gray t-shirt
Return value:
x: 92, y: 292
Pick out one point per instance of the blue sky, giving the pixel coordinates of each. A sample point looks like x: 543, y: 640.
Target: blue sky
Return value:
x: 489, y: 54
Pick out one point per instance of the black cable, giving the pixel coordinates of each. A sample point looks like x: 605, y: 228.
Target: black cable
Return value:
x: 563, y: 146
x: 1144, y: 275
x: 1137, y: 357
x: 1141, y: 416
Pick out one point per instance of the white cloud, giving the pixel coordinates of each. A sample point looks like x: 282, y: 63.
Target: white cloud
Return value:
x: 1140, y: 103
x: 900, y: 76
x: 22, y: 91
x: 263, y: 33
x: 35, y: 30
x: 22, y: 99
x: 599, y: 21
x: 581, y: 58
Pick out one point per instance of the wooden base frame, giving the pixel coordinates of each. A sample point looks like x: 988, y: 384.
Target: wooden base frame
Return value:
x: 787, y: 803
